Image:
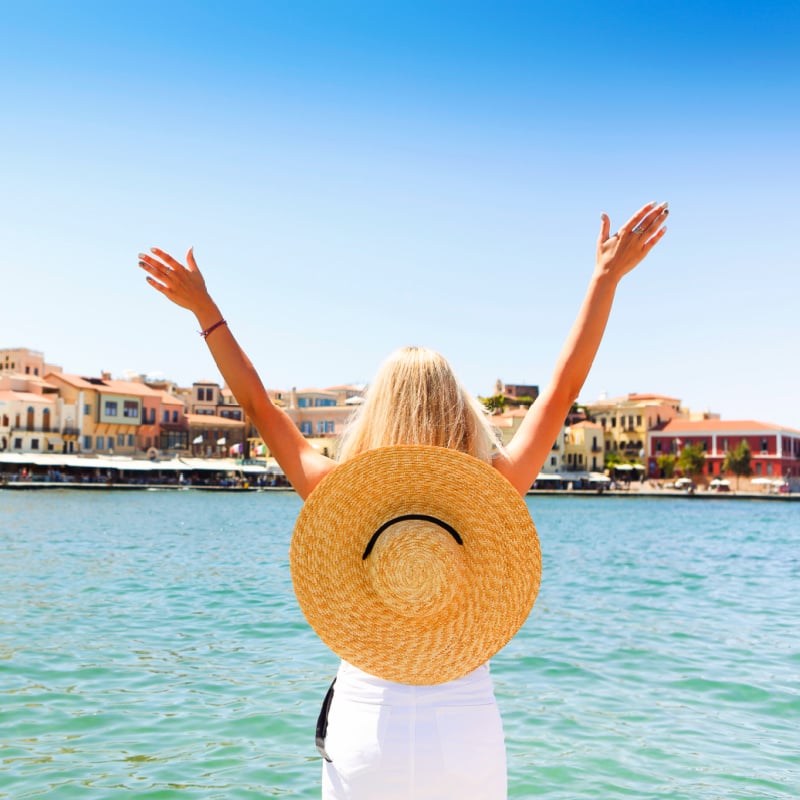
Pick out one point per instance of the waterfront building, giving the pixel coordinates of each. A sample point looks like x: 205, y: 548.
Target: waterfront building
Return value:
x: 24, y: 361
x: 33, y: 416
x: 583, y: 447
x: 121, y: 416
x: 775, y: 450
x: 321, y: 414
x: 215, y: 435
x: 627, y: 421
x: 507, y: 423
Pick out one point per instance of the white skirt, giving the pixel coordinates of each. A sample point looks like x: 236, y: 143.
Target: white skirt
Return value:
x: 389, y: 741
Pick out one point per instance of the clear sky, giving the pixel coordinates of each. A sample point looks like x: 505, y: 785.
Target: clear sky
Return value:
x: 356, y: 176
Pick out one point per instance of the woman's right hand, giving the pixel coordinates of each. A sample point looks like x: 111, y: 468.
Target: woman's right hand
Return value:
x: 184, y: 285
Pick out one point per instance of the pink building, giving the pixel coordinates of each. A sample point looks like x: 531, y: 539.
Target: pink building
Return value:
x: 775, y: 450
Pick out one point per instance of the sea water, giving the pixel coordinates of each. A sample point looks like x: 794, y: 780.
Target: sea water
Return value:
x: 151, y: 648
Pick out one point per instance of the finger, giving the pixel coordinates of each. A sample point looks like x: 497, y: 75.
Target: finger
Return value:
x: 154, y: 267
x: 654, y: 239
x: 144, y: 258
x: 190, y: 262
x: 652, y: 223
x: 605, y: 227
x: 637, y: 218
x: 156, y: 285
x: 167, y: 258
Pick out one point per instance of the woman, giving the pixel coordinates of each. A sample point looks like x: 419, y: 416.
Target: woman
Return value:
x: 416, y: 399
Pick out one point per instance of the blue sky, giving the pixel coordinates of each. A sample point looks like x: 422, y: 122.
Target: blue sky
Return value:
x: 356, y: 176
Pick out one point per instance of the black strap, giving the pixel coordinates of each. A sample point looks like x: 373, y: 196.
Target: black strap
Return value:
x: 425, y: 517
x: 322, y: 722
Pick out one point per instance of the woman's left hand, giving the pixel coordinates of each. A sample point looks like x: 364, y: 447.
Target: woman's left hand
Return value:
x: 619, y: 254
x: 184, y: 285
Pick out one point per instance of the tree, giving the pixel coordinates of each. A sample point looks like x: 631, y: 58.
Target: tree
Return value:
x: 737, y: 461
x: 666, y: 464
x: 612, y: 458
x: 495, y: 403
x: 692, y: 459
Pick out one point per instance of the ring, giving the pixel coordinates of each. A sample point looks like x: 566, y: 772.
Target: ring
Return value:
x: 638, y: 230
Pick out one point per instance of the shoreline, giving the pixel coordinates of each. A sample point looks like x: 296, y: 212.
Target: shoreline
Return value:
x: 662, y: 494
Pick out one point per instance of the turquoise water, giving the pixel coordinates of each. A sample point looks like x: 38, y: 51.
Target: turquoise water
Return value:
x: 151, y: 647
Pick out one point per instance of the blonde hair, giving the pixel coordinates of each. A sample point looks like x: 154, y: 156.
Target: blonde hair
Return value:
x: 417, y: 399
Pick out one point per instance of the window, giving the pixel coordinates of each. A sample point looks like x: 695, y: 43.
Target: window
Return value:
x: 305, y: 428
x: 658, y: 445
x: 302, y: 402
x: 174, y: 416
x: 769, y: 468
x: 87, y: 442
x: 131, y: 409
x: 130, y: 440
x: 165, y: 416
x: 111, y: 408
x: 99, y: 442
x: 639, y: 421
x: 87, y: 409
x: 201, y: 395
x: 613, y: 422
x: 725, y: 446
x: 764, y: 445
x: 46, y: 420
x: 18, y: 444
x: 120, y: 440
x: 34, y: 444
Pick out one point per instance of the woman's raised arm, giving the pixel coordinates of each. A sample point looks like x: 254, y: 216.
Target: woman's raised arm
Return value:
x: 616, y: 256
x: 184, y: 285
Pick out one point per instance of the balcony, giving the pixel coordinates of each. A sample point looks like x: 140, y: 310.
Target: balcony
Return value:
x: 70, y: 430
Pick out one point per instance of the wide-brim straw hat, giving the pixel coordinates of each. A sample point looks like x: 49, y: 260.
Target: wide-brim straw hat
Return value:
x: 416, y: 564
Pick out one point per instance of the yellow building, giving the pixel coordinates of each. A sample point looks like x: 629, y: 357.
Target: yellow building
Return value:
x: 626, y: 421
x: 583, y: 448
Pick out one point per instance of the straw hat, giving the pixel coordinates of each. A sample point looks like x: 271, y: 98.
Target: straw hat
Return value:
x: 416, y: 564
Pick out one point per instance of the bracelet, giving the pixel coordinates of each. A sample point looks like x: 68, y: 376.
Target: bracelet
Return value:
x: 216, y: 325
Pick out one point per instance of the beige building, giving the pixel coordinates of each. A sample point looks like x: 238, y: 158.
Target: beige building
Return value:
x: 34, y: 418
x: 322, y: 414
x: 24, y: 361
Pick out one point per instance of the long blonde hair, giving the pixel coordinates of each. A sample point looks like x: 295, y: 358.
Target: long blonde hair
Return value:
x: 417, y: 399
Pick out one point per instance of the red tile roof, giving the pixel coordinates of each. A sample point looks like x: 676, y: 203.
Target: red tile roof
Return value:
x: 694, y: 427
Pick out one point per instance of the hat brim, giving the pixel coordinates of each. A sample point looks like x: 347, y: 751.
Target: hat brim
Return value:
x: 500, y: 555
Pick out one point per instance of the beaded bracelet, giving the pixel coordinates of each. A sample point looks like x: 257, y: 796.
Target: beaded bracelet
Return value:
x: 216, y: 325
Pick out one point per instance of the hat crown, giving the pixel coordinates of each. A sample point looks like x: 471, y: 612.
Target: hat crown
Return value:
x: 415, y: 568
